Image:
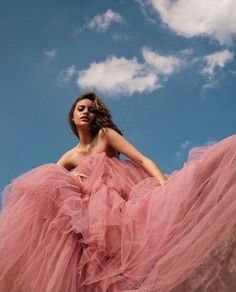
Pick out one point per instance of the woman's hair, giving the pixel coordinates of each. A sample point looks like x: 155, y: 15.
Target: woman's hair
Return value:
x: 103, y: 117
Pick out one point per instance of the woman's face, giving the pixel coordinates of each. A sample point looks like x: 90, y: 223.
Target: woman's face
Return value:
x: 84, y: 113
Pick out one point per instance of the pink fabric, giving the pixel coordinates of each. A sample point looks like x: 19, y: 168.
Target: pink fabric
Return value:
x: 118, y: 230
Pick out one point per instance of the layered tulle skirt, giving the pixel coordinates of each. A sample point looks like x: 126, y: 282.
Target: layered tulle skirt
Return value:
x: 119, y: 230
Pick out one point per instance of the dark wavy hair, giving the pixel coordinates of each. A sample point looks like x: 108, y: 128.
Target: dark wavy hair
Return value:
x: 103, y: 117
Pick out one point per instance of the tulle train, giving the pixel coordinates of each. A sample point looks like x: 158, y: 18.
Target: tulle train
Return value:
x: 119, y: 230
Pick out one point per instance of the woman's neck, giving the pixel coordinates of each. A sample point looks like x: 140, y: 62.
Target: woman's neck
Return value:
x: 86, y: 139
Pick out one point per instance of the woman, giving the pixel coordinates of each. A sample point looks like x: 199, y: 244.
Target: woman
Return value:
x: 94, y: 222
x: 91, y: 122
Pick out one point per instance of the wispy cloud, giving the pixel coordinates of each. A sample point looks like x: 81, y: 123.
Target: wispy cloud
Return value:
x: 186, y: 52
x: 212, y: 62
x: 102, y: 22
x: 120, y: 37
x: 186, y: 144
x: 165, y: 65
x: 146, y: 10
x: 51, y: 54
x: 121, y: 75
x: 66, y: 75
x: 216, y: 60
x: 210, y: 143
x: 212, y: 18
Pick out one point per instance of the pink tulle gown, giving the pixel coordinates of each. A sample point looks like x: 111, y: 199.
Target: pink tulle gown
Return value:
x: 118, y: 230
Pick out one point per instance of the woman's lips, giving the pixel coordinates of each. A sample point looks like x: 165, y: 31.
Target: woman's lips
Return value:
x: 84, y: 119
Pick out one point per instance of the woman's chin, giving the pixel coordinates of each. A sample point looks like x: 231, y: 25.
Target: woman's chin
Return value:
x: 84, y: 125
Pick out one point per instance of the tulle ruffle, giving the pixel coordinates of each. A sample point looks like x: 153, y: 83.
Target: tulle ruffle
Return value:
x: 119, y: 230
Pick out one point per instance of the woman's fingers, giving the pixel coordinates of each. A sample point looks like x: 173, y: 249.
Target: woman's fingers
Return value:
x: 79, y: 175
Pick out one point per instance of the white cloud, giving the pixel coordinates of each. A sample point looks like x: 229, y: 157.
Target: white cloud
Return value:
x: 210, y: 143
x: 120, y: 37
x: 213, y: 18
x: 145, y: 10
x: 215, y: 60
x: 163, y: 64
x: 211, y: 63
x: 65, y: 75
x: 183, y: 146
x: 101, y: 22
x: 186, y: 52
x: 51, y: 54
x: 118, y: 75
x: 121, y: 75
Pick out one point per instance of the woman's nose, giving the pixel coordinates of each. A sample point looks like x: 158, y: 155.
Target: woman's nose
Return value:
x: 86, y: 110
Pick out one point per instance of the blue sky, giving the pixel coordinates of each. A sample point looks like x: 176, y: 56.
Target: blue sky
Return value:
x: 166, y: 69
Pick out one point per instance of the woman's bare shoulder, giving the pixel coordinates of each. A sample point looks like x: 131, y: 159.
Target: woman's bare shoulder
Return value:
x: 67, y: 158
x: 69, y: 152
x: 106, y: 131
x: 102, y: 132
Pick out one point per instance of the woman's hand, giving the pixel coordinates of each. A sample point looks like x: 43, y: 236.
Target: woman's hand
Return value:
x: 79, y: 175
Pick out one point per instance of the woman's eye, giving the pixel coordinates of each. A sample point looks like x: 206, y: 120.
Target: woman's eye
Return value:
x: 91, y: 110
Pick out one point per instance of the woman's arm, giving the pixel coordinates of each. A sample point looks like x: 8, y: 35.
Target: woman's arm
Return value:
x: 120, y: 144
